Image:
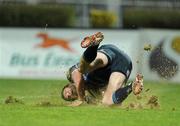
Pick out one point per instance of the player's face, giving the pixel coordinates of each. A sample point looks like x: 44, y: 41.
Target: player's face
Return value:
x: 70, y: 93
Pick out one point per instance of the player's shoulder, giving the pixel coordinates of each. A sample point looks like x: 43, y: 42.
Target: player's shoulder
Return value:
x: 71, y: 70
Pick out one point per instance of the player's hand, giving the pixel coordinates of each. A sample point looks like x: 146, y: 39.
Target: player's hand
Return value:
x: 76, y: 103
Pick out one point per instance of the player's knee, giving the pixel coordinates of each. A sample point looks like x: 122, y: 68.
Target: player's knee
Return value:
x: 112, y: 99
x: 107, y: 101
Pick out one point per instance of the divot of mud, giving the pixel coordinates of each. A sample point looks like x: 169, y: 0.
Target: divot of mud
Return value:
x: 153, y: 102
x: 147, y: 90
x: 44, y: 103
x: 134, y: 106
x: 173, y: 109
x: 131, y: 105
x: 147, y: 47
x: 11, y: 100
x: 138, y: 97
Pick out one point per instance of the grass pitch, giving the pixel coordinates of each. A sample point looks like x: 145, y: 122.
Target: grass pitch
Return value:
x: 37, y: 103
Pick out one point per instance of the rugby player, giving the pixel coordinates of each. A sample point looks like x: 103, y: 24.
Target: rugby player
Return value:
x: 105, y: 67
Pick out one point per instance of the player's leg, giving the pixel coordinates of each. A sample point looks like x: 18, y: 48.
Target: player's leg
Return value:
x: 115, y: 82
x: 99, y: 61
x: 122, y: 93
x: 88, y: 56
x: 115, y: 93
x: 91, y: 58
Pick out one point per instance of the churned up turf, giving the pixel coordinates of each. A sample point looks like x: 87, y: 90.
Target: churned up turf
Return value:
x: 38, y: 103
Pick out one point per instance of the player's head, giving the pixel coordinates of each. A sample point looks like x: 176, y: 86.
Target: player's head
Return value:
x: 69, y: 92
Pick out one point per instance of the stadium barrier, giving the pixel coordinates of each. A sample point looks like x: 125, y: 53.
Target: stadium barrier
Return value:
x: 48, y: 53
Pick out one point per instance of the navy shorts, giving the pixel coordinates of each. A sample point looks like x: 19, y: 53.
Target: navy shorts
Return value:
x: 117, y: 59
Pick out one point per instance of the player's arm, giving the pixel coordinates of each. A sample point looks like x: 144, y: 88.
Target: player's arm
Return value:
x: 79, y: 82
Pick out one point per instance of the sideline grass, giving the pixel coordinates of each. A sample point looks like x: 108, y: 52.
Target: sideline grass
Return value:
x: 34, y: 92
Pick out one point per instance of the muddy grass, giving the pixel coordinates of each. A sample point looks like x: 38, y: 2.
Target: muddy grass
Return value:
x: 145, y: 102
x: 11, y: 100
x: 153, y: 102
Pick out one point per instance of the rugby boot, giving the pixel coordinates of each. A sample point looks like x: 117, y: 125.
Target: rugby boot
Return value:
x: 92, y: 40
x: 137, y: 85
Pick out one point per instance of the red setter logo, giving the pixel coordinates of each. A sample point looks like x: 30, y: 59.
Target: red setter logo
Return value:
x: 50, y: 42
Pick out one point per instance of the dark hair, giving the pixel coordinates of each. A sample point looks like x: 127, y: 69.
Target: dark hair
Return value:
x: 70, y: 85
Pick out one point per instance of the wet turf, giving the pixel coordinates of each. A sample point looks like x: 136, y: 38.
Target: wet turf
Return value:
x: 37, y: 103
